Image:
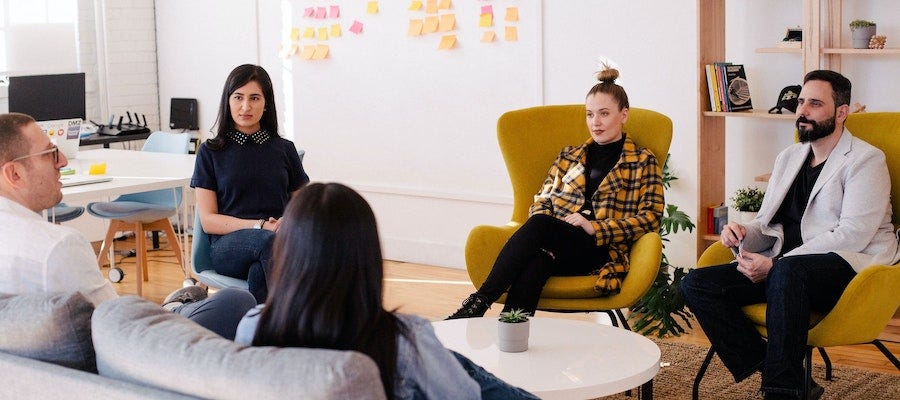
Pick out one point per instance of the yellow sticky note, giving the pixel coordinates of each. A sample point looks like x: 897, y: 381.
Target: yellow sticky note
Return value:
x: 486, y: 21
x: 488, y: 36
x: 97, y: 169
x: 416, y: 5
x: 445, y: 5
x: 321, y: 52
x: 431, y: 25
x: 307, y: 52
x: 512, y: 34
x: 309, y: 33
x: 512, y: 14
x: 323, y: 34
x: 448, y: 22
x: 447, y: 42
x: 431, y: 7
x: 415, y: 27
x: 335, y: 30
x: 372, y: 7
x: 295, y: 34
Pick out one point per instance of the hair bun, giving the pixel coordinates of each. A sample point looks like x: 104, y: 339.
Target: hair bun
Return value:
x: 608, y: 74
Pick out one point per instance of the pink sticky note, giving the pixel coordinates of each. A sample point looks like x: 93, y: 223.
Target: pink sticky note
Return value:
x: 487, y: 10
x: 320, y: 13
x: 309, y: 12
x: 335, y: 12
x: 357, y: 27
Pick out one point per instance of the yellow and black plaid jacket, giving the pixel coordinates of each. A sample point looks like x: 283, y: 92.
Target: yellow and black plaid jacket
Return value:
x: 628, y: 203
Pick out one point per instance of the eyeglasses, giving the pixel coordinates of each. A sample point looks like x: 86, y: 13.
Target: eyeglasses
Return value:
x: 54, y: 151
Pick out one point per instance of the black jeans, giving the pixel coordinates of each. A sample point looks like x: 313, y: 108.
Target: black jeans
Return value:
x: 542, y: 247
x: 245, y: 254
x: 794, y: 287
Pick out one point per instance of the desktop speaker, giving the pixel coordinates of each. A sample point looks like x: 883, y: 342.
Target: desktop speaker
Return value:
x: 183, y: 114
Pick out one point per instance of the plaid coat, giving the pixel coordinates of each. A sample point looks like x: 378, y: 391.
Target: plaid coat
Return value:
x: 628, y: 203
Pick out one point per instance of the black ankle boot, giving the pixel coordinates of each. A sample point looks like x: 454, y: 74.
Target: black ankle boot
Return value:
x: 472, y: 307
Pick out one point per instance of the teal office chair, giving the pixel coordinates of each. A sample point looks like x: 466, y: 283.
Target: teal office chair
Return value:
x: 62, y: 213
x: 144, y: 212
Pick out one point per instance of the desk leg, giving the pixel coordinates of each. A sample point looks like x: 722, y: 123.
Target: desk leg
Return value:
x: 647, y: 390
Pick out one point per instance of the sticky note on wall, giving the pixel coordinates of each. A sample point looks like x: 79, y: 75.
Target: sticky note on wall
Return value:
x: 335, y: 30
x: 321, y: 52
x: 431, y: 25
x: 323, y: 34
x: 356, y: 27
x: 415, y: 27
x: 416, y: 5
x: 372, y: 7
x: 512, y: 34
x: 335, y: 11
x: 512, y: 14
x: 486, y: 21
x: 309, y: 33
x: 447, y: 42
x: 488, y: 36
x: 447, y: 22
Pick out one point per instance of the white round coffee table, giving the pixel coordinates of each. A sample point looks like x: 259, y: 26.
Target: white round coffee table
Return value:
x: 565, y: 359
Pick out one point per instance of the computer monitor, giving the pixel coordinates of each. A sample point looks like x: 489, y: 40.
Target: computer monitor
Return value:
x: 48, y: 97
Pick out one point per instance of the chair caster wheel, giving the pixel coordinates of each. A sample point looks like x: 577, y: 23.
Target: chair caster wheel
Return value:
x: 116, y: 275
x: 188, y: 282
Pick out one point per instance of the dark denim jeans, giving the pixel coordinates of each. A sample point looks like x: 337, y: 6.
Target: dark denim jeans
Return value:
x: 220, y: 312
x: 794, y: 287
x: 244, y: 254
x: 492, y: 387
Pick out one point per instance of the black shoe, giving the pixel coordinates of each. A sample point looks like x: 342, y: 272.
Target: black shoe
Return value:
x: 472, y: 307
x: 183, y: 296
x: 815, y: 391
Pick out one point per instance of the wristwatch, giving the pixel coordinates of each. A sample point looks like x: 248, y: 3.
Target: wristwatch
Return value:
x: 259, y: 224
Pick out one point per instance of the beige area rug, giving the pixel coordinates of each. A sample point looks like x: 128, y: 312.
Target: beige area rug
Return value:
x: 675, y: 380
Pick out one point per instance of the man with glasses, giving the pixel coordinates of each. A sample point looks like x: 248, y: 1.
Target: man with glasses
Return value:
x: 40, y: 257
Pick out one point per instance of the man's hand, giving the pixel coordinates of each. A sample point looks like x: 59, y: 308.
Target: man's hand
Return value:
x: 732, y: 234
x: 580, y: 221
x: 754, y: 266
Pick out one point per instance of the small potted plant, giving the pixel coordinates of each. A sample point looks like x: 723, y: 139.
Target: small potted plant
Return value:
x: 747, y: 201
x: 512, y: 331
x: 861, y: 31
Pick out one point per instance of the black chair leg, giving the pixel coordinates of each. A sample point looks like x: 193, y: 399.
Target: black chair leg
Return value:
x: 695, y: 394
x: 647, y: 390
x: 612, y: 317
x: 622, y: 318
x: 807, y: 381
x: 887, y: 353
x: 828, y: 375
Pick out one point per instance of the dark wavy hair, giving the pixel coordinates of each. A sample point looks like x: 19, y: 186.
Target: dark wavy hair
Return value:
x: 327, y: 280
x: 840, y: 85
x: 240, y: 76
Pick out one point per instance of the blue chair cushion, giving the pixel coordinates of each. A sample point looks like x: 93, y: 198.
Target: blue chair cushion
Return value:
x: 131, y: 211
x: 62, y: 213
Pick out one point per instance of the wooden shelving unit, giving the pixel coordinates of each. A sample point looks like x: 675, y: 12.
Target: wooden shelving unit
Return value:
x: 821, y: 48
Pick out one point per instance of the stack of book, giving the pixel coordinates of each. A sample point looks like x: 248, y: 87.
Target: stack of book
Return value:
x: 716, y: 218
x: 728, y: 87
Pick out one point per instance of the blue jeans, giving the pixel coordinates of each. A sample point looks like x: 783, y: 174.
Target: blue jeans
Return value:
x: 244, y: 254
x: 492, y: 387
x: 794, y: 288
x: 220, y: 312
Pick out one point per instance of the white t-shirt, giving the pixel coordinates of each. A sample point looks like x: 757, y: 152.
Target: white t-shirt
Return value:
x: 37, y: 256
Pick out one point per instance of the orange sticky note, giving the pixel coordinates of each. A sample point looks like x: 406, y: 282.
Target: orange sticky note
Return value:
x: 97, y: 169
x: 295, y: 33
x: 512, y: 14
x: 307, y: 52
x: 415, y: 27
x: 445, y: 5
x: 431, y: 25
x: 372, y: 7
x: 486, y: 20
x: 488, y: 36
x: 321, y: 52
x: 309, y: 33
x: 448, y: 22
x: 447, y: 42
x: 416, y: 5
x: 335, y: 30
x: 512, y: 34
x: 431, y: 7
x: 323, y: 34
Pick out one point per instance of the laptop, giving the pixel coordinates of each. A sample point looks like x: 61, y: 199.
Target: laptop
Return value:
x: 76, y: 180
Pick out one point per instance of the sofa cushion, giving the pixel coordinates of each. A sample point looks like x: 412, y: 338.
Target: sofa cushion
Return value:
x: 54, y: 327
x: 139, y: 342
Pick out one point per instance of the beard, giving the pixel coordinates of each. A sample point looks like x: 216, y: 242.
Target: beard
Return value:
x: 816, y: 131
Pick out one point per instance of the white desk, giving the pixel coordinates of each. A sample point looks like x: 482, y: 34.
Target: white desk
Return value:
x: 132, y: 172
x: 566, y: 359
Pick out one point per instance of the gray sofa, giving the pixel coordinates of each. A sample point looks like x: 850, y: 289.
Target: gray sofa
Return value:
x: 57, y: 346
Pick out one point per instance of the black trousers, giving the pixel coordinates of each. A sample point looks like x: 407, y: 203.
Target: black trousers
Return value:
x: 542, y: 247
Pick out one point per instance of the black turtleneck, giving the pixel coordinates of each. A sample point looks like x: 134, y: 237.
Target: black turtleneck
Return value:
x: 601, y: 158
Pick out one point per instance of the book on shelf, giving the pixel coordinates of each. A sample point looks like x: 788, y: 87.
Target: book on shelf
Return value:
x: 737, y: 89
x: 720, y: 218
x: 714, y: 104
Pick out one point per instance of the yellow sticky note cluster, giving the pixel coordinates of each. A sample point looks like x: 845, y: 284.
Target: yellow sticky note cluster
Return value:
x: 317, y: 50
x: 511, y: 33
x: 434, y: 21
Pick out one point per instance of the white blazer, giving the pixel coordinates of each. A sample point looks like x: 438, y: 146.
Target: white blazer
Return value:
x: 849, y: 208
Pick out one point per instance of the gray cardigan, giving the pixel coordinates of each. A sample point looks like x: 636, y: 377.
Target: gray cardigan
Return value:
x: 849, y: 209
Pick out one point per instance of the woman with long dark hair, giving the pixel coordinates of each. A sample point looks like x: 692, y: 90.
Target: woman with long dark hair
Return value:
x: 244, y: 178
x: 326, y: 292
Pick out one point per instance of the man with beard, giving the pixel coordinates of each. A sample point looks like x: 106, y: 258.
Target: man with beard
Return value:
x: 826, y: 215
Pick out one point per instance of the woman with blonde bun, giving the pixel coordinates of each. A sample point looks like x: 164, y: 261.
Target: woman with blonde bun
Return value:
x: 598, y: 198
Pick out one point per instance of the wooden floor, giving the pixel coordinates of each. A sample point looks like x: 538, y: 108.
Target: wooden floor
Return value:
x: 435, y: 292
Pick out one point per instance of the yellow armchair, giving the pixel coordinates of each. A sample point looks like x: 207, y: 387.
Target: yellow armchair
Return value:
x: 870, y: 300
x: 530, y: 140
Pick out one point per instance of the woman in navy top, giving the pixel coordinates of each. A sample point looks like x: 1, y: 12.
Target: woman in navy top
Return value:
x: 244, y: 177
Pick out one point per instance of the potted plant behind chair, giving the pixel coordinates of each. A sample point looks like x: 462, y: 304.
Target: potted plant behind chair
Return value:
x: 512, y: 331
x: 747, y: 201
x: 861, y: 31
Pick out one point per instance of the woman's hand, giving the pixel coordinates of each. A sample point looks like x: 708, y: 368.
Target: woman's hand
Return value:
x: 580, y: 221
x: 272, y: 224
x: 754, y: 266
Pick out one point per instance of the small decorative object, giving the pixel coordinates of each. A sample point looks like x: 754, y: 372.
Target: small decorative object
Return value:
x: 747, y: 201
x: 861, y: 31
x: 877, y: 42
x: 512, y: 331
x: 858, y: 108
x: 792, y: 39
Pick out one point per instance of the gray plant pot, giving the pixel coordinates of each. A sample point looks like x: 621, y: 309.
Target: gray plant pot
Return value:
x: 861, y: 36
x: 512, y: 337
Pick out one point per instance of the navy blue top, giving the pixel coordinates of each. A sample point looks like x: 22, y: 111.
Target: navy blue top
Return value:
x: 251, y: 180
